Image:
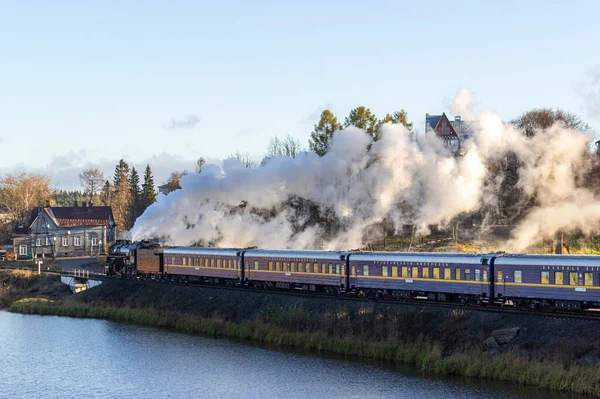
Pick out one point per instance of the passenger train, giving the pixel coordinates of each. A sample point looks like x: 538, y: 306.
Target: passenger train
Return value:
x: 532, y: 281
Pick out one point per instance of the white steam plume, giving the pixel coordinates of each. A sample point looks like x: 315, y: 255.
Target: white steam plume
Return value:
x: 328, y: 202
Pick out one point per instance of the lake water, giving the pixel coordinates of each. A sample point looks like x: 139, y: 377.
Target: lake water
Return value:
x: 54, y: 357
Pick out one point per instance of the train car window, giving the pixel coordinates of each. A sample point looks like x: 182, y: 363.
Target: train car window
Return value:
x: 365, y: 270
x: 518, y: 276
x: 337, y: 269
x: 545, y: 278
x: 323, y: 268
x: 588, y: 279
x: 447, y: 273
x: 404, y: 271
x: 558, y: 278
x: 218, y: 262
x: 330, y: 268
x: 278, y: 266
x: 457, y: 273
x: 307, y: 267
x: 212, y: 262
x: 436, y: 273
x: 468, y: 274
x: 415, y: 272
x: 425, y: 272
x: 255, y: 265
x: 485, y: 275
x: 205, y: 262
x: 394, y: 271
x: 573, y: 280
x: 477, y: 275
x: 499, y: 276
x: 293, y: 267
x: 270, y: 265
x: 183, y: 261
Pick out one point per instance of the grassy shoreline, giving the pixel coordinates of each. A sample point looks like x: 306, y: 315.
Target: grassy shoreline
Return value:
x: 423, y: 353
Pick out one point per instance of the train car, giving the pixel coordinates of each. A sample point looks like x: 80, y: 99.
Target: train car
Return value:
x: 300, y: 270
x: 211, y: 265
x: 548, y: 281
x: 148, y: 261
x: 436, y: 276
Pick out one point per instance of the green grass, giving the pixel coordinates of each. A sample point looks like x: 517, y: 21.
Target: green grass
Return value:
x: 287, y: 328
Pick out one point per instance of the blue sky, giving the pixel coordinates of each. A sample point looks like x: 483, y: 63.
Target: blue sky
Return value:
x: 86, y: 83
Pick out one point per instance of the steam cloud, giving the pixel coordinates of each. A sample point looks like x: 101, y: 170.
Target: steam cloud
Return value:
x: 331, y: 202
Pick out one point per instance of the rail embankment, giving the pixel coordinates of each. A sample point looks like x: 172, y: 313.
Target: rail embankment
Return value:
x: 560, y: 354
x: 19, y: 284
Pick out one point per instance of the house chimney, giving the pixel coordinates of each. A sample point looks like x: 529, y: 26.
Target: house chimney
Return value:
x: 457, y: 118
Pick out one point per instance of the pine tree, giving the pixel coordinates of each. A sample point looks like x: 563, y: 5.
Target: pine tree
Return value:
x: 148, y: 193
x: 134, y: 196
x: 106, y: 194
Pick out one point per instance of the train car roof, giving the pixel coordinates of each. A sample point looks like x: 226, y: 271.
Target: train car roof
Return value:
x: 548, y: 260
x: 330, y: 255
x: 437, y: 257
x: 201, y: 251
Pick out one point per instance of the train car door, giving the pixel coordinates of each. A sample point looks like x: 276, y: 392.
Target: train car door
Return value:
x: 500, y: 282
x: 353, y: 277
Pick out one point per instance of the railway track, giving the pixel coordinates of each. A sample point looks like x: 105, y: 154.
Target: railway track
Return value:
x: 581, y: 315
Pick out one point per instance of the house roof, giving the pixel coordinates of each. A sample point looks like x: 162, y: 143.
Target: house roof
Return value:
x: 72, y: 216
x: 432, y: 120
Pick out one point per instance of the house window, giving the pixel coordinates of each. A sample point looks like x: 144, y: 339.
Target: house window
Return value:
x: 65, y: 241
x: 94, y: 241
x: 77, y: 241
x: 23, y: 250
x: 38, y: 242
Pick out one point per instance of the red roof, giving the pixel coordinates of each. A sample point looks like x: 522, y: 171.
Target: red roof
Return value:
x: 72, y: 216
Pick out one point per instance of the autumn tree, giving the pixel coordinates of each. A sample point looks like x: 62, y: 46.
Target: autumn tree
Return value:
x: 363, y: 118
x: 91, y: 180
x: 398, y: 117
x: 21, y: 192
x: 121, y: 196
x: 322, y: 132
x: 175, y: 178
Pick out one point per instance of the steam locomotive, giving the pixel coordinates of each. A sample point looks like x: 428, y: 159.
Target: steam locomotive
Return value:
x: 532, y: 281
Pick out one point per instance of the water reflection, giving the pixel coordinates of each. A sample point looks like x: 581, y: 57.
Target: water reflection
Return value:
x: 53, y: 357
